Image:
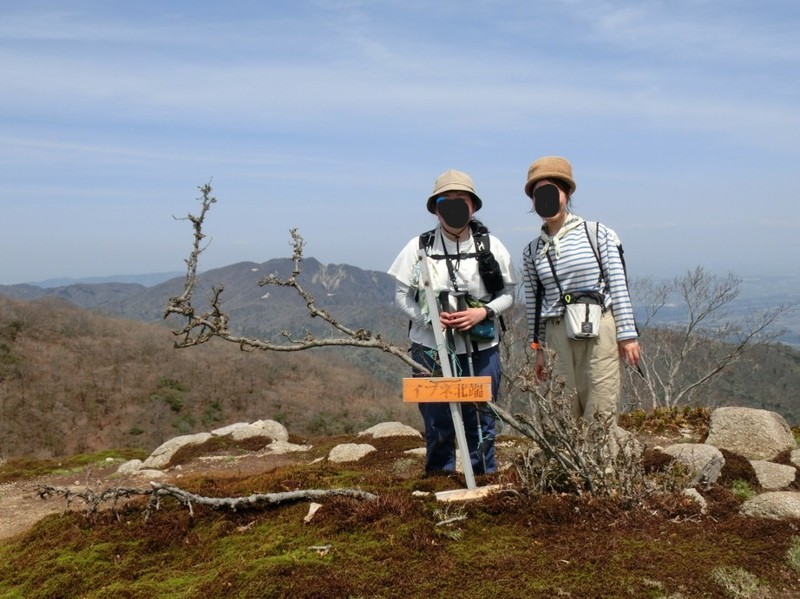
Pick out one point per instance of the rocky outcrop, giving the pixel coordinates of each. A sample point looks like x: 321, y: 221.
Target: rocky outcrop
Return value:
x: 268, y: 429
x: 742, y: 431
x: 162, y: 456
x: 261, y: 428
x: 760, y: 436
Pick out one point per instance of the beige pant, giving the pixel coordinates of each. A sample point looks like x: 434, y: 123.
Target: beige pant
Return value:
x: 588, y: 366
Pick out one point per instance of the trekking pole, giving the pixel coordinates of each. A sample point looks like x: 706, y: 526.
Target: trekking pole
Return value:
x: 444, y: 306
x: 461, y: 305
x: 461, y: 299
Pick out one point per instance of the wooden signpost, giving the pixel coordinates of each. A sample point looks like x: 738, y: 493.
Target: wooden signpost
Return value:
x: 468, y: 388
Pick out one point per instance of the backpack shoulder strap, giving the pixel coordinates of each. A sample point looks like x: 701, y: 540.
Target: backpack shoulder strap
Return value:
x: 533, y: 246
x: 594, y: 239
x: 426, y: 240
x: 480, y: 237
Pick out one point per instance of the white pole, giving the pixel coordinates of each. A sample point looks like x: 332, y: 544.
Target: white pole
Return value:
x: 444, y: 359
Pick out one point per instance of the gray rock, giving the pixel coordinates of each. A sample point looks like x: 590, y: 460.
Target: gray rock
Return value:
x: 795, y: 457
x: 773, y: 476
x: 130, y: 467
x: 281, y: 447
x: 260, y: 428
x: 754, y: 434
x: 696, y: 457
x: 350, y: 452
x: 149, y: 474
x: 777, y: 505
x: 163, y: 454
x: 418, y: 451
x: 391, y: 429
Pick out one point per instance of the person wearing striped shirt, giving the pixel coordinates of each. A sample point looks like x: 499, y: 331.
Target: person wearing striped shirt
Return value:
x: 565, y: 257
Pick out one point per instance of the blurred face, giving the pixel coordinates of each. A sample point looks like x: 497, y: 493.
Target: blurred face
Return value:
x: 549, y: 200
x: 454, y: 209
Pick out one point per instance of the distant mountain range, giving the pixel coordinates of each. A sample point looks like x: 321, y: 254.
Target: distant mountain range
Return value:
x: 147, y: 279
x: 359, y: 298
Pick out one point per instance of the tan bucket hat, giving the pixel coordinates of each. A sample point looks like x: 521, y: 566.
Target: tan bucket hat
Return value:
x: 453, y: 180
x: 550, y: 167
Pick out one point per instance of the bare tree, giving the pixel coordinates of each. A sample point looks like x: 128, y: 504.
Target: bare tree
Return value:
x: 703, y: 342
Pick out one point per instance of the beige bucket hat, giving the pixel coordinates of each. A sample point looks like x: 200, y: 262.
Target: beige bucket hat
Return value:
x: 550, y: 167
x: 453, y: 180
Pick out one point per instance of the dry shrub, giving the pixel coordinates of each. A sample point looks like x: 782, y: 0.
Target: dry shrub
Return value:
x: 737, y: 467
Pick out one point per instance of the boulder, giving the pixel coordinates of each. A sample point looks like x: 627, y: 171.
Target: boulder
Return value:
x: 350, y: 452
x: 391, y: 429
x: 260, y: 428
x: 282, y: 447
x: 697, y: 457
x: 163, y: 454
x: 695, y: 496
x: 773, y: 476
x: 777, y: 505
x: 754, y: 434
x: 795, y: 457
x: 130, y: 467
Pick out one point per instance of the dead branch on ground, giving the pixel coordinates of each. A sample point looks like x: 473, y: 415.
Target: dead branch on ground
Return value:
x: 93, y: 499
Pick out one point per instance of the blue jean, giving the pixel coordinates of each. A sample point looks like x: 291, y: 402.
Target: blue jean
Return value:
x: 440, y: 433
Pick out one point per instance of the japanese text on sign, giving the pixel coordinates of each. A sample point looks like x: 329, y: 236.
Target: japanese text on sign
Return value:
x: 472, y: 388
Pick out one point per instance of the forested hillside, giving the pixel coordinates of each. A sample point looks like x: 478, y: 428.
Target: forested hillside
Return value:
x: 73, y: 381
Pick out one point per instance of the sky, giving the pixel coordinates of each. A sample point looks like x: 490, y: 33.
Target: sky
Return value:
x: 681, y: 119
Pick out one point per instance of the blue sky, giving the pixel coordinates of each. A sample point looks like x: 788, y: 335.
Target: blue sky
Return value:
x: 681, y: 119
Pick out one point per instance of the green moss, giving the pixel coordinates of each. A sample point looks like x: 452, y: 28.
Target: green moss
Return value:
x: 742, y: 489
x: 793, y: 554
x: 510, y: 545
x: 25, y: 468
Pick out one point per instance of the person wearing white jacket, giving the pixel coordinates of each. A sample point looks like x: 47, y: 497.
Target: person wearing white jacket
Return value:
x: 453, y: 261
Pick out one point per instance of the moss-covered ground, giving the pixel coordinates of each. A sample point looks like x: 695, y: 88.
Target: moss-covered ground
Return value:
x: 403, y: 544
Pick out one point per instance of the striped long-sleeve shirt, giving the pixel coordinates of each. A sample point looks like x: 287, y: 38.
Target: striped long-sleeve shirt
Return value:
x: 578, y: 270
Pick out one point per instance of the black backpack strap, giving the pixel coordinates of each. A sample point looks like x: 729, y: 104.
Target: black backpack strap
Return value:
x: 426, y: 240
x: 532, y: 247
x: 555, y: 276
x: 480, y: 237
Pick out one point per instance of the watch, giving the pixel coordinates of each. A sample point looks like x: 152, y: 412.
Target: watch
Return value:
x: 489, y: 312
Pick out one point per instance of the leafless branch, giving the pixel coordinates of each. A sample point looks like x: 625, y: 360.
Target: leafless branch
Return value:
x: 202, y: 326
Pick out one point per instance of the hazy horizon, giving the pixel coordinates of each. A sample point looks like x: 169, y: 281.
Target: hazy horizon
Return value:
x: 334, y: 117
